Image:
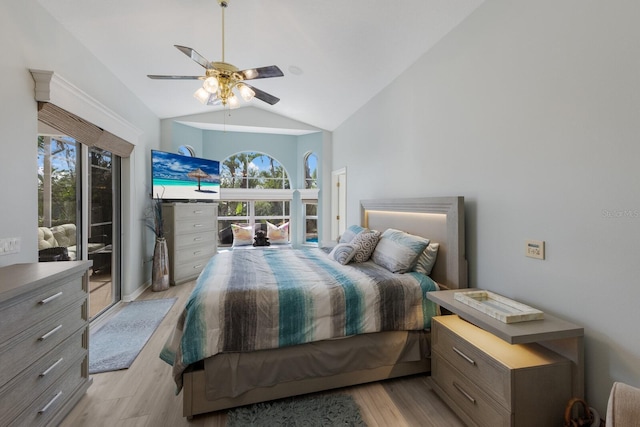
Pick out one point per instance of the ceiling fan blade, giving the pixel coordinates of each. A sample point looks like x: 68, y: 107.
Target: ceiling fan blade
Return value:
x: 193, y: 55
x: 158, y: 77
x: 261, y: 73
x: 264, y: 96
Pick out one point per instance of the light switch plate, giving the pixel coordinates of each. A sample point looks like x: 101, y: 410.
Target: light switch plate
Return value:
x: 534, y: 249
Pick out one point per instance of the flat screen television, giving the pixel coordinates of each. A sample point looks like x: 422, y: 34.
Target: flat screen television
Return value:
x: 183, y: 178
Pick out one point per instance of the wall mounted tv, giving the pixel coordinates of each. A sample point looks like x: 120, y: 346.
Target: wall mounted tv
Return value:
x: 183, y: 178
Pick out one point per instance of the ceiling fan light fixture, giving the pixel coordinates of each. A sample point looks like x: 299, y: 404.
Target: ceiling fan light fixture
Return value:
x: 210, y: 84
x: 202, y: 95
x: 246, y: 92
x: 233, y: 101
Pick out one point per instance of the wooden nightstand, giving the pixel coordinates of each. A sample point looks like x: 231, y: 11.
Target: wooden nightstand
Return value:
x: 498, y: 374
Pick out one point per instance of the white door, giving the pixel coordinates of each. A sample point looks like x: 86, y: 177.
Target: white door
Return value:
x: 338, y: 202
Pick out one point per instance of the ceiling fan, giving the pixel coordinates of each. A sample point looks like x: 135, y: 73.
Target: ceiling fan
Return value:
x: 221, y: 78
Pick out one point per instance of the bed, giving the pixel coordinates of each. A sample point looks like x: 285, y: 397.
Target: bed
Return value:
x: 233, y: 362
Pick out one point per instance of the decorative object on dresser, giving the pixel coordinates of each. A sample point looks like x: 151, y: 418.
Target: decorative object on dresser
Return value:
x: 505, y: 374
x: 504, y: 309
x: 44, y: 341
x: 191, y: 230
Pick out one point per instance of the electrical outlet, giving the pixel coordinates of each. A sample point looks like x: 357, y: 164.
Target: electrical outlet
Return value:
x: 534, y: 249
x: 9, y: 245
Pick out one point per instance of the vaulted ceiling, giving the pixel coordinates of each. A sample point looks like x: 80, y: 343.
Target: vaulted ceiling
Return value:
x: 336, y: 55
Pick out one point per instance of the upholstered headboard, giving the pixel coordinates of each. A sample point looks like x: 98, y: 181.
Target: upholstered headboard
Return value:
x: 440, y: 219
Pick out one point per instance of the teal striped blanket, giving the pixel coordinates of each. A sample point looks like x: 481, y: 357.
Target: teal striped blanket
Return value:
x: 247, y: 300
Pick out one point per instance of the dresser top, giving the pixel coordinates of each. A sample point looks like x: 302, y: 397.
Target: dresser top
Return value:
x: 17, y: 279
x: 549, y: 328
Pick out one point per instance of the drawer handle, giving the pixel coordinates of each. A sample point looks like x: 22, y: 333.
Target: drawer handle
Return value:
x: 197, y: 239
x: 197, y: 266
x: 197, y: 225
x: 51, y: 332
x: 51, y: 368
x: 464, y: 393
x: 197, y: 252
x: 197, y: 212
x: 51, y: 298
x: 464, y: 356
x: 43, y: 410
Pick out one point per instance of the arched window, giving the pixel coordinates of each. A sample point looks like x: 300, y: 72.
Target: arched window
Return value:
x: 310, y: 204
x: 310, y: 170
x: 253, y: 170
x: 186, y: 150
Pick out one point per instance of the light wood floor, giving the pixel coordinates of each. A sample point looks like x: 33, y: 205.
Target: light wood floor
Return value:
x: 144, y: 394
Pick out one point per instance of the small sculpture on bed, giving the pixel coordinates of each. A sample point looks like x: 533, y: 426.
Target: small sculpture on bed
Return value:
x: 261, y: 239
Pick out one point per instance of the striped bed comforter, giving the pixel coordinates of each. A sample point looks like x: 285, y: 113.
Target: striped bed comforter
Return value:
x: 247, y: 300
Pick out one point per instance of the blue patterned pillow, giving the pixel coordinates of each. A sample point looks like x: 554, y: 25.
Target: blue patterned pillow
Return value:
x: 398, y: 251
x: 365, y: 244
x: 350, y: 233
x: 342, y: 253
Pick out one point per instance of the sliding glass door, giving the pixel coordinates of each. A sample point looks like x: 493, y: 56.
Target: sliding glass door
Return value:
x: 79, y: 212
x: 103, y: 230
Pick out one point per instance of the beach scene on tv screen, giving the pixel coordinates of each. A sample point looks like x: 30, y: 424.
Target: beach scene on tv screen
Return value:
x: 177, y: 177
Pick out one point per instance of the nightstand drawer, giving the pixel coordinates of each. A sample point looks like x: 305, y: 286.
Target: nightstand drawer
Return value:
x: 30, y: 309
x: 473, y: 363
x: 476, y: 405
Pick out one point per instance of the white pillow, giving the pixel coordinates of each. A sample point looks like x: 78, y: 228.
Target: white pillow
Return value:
x: 427, y: 259
x: 278, y: 235
x: 242, y: 234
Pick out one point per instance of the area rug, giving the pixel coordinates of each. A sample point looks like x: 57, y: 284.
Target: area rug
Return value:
x: 117, y: 343
x: 314, y: 411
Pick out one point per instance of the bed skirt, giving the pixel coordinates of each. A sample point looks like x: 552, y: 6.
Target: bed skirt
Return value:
x: 234, y: 379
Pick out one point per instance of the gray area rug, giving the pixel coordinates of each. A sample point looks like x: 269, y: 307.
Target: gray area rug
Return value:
x: 117, y: 343
x: 314, y: 411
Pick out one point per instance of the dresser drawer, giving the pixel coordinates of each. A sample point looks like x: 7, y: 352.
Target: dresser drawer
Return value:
x: 186, y: 211
x: 27, y: 310
x: 44, y: 407
x: 476, y: 405
x: 473, y: 363
x: 22, y: 350
x: 188, y: 240
x: 190, y: 254
x: 189, y: 270
x: 199, y: 225
x: 41, y: 375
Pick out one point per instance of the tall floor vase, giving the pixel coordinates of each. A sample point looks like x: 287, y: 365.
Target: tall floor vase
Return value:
x: 160, y: 269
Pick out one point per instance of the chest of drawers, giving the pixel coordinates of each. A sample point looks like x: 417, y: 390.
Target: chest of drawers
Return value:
x: 489, y: 382
x: 191, y: 230
x: 44, y: 341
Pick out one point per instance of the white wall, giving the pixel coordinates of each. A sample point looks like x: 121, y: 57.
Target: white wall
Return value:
x: 30, y: 38
x: 530, y: 110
